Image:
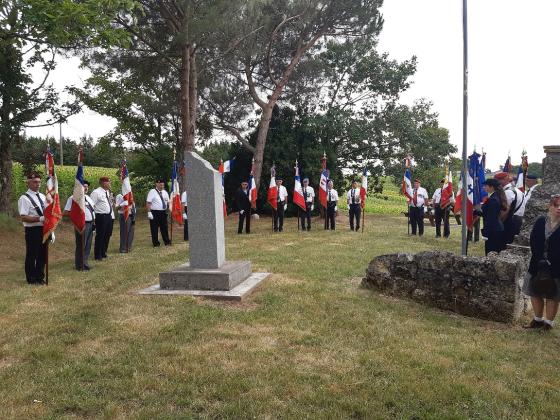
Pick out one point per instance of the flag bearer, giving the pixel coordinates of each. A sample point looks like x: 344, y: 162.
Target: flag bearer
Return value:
x: 441, y: 214
x: 88, y: 230
x: 515, y: 201
x: 244, y: 206
x: 157, y: 203
x: 354, y: 201
x: 282, y: 200
x: 309, y: 197
x: 31, y: 207
x: 416, y: 208
x: 102, y: 201
x: 185, y: 216
x: 126, y: 227
x: 332, y: 206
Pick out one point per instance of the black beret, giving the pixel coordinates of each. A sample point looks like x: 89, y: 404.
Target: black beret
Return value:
x: 86, y: 182
x: 532, y: 176
x: 492, y: 182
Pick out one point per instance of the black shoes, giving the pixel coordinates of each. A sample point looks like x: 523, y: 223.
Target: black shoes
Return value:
x: 536, y: 324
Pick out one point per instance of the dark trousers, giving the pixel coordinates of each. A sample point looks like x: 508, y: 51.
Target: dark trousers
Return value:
x: 417, y: 219
x: 87, y: 237
x: 159, y: 222
x: 495, y: 242
x: 185, y: 230
x: 330, y: 217
x: 279, y: 217
x: 34, y: 254
x: 126, y: 230
x: 305, y: 215
x: 442, y: 215
x: 354, y: 213
x: 245, y: 217
x: 512, y: 227
x: 103, y: 231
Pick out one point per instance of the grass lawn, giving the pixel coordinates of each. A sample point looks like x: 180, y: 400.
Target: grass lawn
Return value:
x: 309, y: 343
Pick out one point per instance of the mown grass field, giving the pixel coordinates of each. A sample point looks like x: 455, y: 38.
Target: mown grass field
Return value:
x: 309, y: 343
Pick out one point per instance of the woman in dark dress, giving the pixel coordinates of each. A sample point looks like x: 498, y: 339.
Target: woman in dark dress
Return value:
x: 542, y: 282
x: 493, y: 229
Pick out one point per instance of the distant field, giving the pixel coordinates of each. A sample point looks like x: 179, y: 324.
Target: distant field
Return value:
x: 389, y: 202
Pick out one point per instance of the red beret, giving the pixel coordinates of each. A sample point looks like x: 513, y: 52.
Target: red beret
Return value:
x: 501, y: 175
x: 104, y: 179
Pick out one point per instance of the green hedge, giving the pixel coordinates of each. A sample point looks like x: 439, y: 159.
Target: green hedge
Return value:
x: 67, y: 174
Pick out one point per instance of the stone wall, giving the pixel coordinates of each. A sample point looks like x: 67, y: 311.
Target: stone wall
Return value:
x: 487, y: 288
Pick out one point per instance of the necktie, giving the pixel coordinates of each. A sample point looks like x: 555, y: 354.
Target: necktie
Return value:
x: 329, y: 195
x: 40, y: 201
x: 163, y: 205
x: 415, y: 198
x: 109, y: 202
x: 353, y: 197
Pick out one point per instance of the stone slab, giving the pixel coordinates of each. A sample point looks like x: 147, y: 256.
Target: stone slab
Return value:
x: 238, y: 293
x: 206, y: 213
x: 186, y: 277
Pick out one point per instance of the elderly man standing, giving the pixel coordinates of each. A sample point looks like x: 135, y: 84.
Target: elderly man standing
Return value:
x: 309, y: 197
x: 416, y: 208
x: 515, y: 201
x: 282, y: 199
x: 31, y: 207
x: 102, y: 199
x: 157, y: 204
x: 82, y: 251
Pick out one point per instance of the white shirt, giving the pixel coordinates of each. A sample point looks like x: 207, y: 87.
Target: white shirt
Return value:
x: 527, y: 198
x: 332, y: 195
x: 282, y: 193
x: 511, y: 193
x: 421, y: 196
x: 89, y: 214
x: 437, y: 196
x: 357, y: 198
x: 155, y: 200
x: 102, y: 202
x: 184, y: 198
x: 27, y: 208
x: 310, y: 194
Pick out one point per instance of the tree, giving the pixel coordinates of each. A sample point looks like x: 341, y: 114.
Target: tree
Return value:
x: 292, y: 31
x: 32, y: 33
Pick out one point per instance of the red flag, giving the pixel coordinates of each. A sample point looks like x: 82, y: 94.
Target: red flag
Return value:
x: 299, y: 199
x: 175, y: 199
x: 272, y: 195
x: 78, y: 208
x: 323, y: 181
x: 253, y: 187
x: 447, y: 190
x: 52, y: 213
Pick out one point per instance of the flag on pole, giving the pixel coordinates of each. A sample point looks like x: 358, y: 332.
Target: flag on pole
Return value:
x: 363, y: 188
x: 253, y: 186
x: 126, y: 190
x: 507, y: 165
x: 476, y: 170
x: 522, y: 173
x: 226, y: 166
x: 298, y: 198
x: 78, y: 209
x: 459, y: 201
x: 175, y: 199
x: 407, y: 180
x: 323, y: 181
x: 447, y: 193
x: 272, y: 195
x: 52, y: 212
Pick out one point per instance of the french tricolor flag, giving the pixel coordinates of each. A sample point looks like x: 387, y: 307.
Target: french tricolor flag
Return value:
x: 253, y: 187
x: 78, y: 209
x: 299, y: 199
x: 363, y: 188
x: 226, y: 166
x: 272, y: 194
x: 407, y: 180
x: 126, y: 190
x: 323, y: 188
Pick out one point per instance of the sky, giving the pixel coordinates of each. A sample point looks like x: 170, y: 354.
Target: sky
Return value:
x: 513, y: 72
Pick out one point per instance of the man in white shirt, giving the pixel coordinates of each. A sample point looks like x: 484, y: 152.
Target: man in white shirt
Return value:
x: 309, y: 198
x: 282, y: 200
x: 332, y: 206
x: 31, y: 208
x: 441, y: 214
x: 157, y: 204
x: 416, y: 208
x: 102, y: 200
x: 79, y: 262
x: 354, y: 201
x: 243, y: 204
x: 515, y: 200
x: 126, y: 227
x: 530, y: 185
x: 185, y: 216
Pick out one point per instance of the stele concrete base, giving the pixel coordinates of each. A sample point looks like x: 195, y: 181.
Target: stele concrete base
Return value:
x: 238, y: 293
x: 226, y: 277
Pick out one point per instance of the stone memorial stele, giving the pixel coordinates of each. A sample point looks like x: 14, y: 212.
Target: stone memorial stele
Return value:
x: 207, y: 273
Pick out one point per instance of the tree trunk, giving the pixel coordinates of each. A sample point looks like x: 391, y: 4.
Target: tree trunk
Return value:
x: 186, y: 139
x: 193, y: 97
x: 6, y: 165
x: 261, y: 141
